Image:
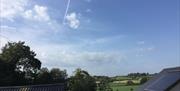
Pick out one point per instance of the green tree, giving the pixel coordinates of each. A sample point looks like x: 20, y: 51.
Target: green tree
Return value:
x: 143, y: 80
x: 103, y: 83
x: 21, y: 60
x: 81, y: 81
x: 44, y: 76
x: 5, y: 73
x: 58, y: 76
x: 55, y: 75
x: 129, y: 82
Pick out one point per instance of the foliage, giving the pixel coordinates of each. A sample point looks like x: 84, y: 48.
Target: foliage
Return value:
x: 5, y: 73
x: 136, y: 75
x: 124, y: 88
x: 44, y: 76
x: 103, y: 83
x: 121, y: 78
x: 143, y: 80
x: 55, y: 75
x: 130, y: 82
x: 58, y: 75
x: 20, y: 63
x: 19, y: 66
x: 81, y: 81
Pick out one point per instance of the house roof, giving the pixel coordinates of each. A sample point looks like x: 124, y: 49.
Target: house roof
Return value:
x: 42, y: 87
x: 162, y: 81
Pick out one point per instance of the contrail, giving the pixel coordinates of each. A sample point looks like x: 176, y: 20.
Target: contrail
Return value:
x: 67, y: 8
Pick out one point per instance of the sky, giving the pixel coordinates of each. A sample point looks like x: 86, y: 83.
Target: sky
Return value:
x: 103, y: 37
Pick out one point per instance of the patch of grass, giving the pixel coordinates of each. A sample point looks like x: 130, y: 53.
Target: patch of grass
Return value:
x: 124, y: 88
x: 125, y: 81
x: 122, y: 78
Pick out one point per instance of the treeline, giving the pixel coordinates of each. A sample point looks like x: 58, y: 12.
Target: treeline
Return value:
x: 138, y: 74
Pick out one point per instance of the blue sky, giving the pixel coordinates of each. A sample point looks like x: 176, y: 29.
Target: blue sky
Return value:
x: 104, y: 37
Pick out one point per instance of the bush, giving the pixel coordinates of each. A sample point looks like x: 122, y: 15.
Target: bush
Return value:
x: 143, y: 80
x: 81, y: 81
x: 130, y: 82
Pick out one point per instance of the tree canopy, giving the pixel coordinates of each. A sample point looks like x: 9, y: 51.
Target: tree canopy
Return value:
x: 19, y: 66
x: 81, y: 81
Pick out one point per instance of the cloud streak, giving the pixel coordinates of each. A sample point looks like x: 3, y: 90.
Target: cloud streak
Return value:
x: 67, y: 8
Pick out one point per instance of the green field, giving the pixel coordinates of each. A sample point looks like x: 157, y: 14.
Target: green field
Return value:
x: 122, y: 78
x: 124, y: 88
x: 125, y: 83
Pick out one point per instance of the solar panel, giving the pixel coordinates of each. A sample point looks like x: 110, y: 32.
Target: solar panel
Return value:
x: 50, y: 87
x: 165, y: 81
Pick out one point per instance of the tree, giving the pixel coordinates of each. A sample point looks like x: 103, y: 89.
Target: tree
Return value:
x: 55, y: 75
x: 81, y: 81
x: 5, y: 73
x: 44, y: 76
x: 143, y: 80
x: 130, y: 82
x: 21, y: 60
x: 103, y: 83
x: 58, y: 76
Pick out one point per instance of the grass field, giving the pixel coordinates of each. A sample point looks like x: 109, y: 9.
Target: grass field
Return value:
x: 124, y: 83
x: 119, y: 78
x: 124, y: 88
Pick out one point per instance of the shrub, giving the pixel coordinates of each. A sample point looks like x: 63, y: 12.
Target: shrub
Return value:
x: 130, y: 82
x: 143, y: 80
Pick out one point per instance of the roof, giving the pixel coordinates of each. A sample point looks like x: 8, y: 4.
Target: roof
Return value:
x: 42, y: 87
x: 163, y: 80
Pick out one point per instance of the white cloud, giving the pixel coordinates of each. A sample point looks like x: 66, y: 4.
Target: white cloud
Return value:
x: 3, y: 41
x: 11, y: 8
x: 141, y: 42
x: 38, y: 13
x: 61, y: 56
x: 65, y: 56
x: 145, y: 49
x: 151, y: 48
x: 5, y: 27
x: 72, y: 20
x: 103, y: 40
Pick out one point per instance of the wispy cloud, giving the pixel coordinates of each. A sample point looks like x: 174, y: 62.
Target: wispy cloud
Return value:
x: 66, y: 57
x: 144, y: 50
x: 67, y: 8
x: 141, y: 42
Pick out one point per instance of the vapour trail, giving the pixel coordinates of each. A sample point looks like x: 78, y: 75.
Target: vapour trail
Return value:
x: 67, y: 8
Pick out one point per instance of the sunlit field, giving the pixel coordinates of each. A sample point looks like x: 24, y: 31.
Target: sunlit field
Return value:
x: 124, y: 88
